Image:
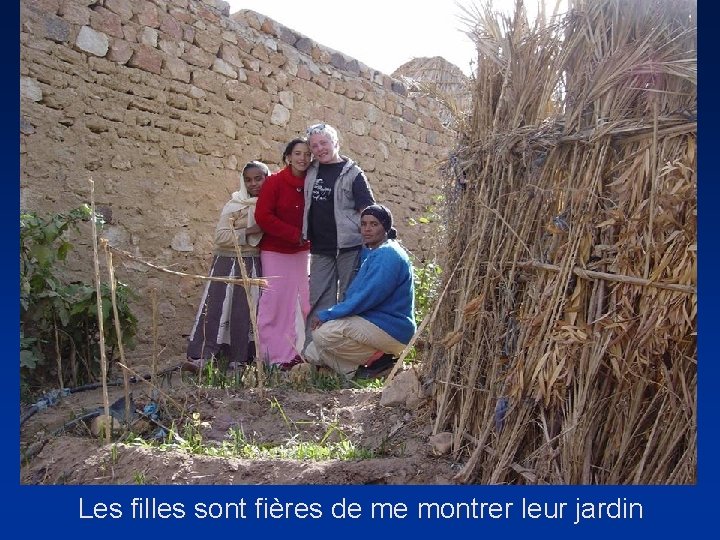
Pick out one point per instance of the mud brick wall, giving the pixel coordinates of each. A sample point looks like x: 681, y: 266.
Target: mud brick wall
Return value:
x: 161, y: 102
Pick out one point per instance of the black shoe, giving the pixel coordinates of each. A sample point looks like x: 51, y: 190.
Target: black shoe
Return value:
x: 378, y: 368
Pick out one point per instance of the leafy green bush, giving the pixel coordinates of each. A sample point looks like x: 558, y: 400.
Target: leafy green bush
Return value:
x: 59, y: 318
x: 427, y: 278
x: 428, y: 275
x: 427, y: 282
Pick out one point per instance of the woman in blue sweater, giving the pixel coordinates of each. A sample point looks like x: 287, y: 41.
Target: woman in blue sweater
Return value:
x: 376, y: 319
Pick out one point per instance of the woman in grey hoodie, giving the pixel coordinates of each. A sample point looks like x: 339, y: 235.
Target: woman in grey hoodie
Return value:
x: 336, y: 191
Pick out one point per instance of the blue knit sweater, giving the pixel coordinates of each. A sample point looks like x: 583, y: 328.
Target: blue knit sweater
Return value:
x: 382, y: 292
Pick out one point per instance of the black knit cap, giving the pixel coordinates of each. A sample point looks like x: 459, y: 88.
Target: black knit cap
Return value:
x: 384, y: 216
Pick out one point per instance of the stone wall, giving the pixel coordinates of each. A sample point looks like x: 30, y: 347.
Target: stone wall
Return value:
x: 161, y: 102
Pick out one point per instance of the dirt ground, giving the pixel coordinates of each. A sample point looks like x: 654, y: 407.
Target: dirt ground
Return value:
x: 283, y: 412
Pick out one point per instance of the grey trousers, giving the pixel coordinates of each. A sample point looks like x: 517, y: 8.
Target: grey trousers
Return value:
x: 330, y: 277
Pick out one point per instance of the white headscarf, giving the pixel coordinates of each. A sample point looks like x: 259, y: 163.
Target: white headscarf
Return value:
x: 242, y: 196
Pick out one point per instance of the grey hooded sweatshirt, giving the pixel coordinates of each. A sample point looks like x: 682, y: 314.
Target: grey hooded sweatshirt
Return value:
x: 347, y: 218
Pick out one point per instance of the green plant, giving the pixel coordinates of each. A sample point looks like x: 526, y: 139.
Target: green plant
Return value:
x: 326, y: 380
x: 41, y: 304
x: 237, y: 445
x: 275, y: 406
x: 428, y: 274
x: 139, y: 478
x: 427, y: 279
x: 58, y: 318
x: 192, y: 434
x: 114, y: 454
x: 369, y: 384
x: 216, y: 373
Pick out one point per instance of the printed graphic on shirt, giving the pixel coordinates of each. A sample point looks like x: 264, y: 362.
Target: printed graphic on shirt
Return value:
x: 320, y: 191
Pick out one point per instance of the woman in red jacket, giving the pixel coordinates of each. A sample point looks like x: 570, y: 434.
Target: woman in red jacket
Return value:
x: 285, y: 303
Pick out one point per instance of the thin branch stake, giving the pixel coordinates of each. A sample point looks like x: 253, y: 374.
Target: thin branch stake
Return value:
x: 252, y: 308
x: 101, y: 330
x: 153, y: 373
x: 260, y: 282
x: 619, y: 278
x: 118, y: 330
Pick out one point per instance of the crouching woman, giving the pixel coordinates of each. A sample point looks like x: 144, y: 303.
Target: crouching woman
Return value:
x: 376, y: 319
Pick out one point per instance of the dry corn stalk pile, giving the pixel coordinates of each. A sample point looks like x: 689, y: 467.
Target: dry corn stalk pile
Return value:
x: 564, y: 349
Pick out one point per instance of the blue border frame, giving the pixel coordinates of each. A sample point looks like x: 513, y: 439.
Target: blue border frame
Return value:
x: 668, y: 511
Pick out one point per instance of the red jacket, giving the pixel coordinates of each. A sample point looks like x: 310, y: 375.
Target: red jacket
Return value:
x: 279, y: 212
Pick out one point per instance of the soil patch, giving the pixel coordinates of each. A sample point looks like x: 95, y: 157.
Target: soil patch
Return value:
x: 393, y: 440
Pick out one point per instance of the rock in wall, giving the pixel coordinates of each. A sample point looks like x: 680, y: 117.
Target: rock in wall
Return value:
x: 161, y: 102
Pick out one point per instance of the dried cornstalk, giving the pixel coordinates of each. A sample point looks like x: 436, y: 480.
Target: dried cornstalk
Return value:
x: 578, y: 158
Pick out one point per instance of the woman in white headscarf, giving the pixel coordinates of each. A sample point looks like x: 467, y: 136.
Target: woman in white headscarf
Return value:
x: 222, y: 324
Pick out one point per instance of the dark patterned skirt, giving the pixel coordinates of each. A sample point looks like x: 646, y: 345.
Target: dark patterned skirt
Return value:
x: 222, y: 324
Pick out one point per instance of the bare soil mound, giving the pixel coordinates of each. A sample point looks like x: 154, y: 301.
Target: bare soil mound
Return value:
x: 217, y: 428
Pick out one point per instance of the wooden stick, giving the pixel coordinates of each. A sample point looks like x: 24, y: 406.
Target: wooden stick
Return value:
x: 260, y: 282
x: 118, y: 330
x: 101, y: 331
x: 153, y: 373
x: 631, y: 280
x: 631, y: 133
x: 253, y: 312
x: 58, y: 356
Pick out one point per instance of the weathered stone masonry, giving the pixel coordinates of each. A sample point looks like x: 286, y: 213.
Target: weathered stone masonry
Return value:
x: 161, y: 102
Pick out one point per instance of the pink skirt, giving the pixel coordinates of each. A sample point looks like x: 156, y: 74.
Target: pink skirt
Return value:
x: 284, y: 305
